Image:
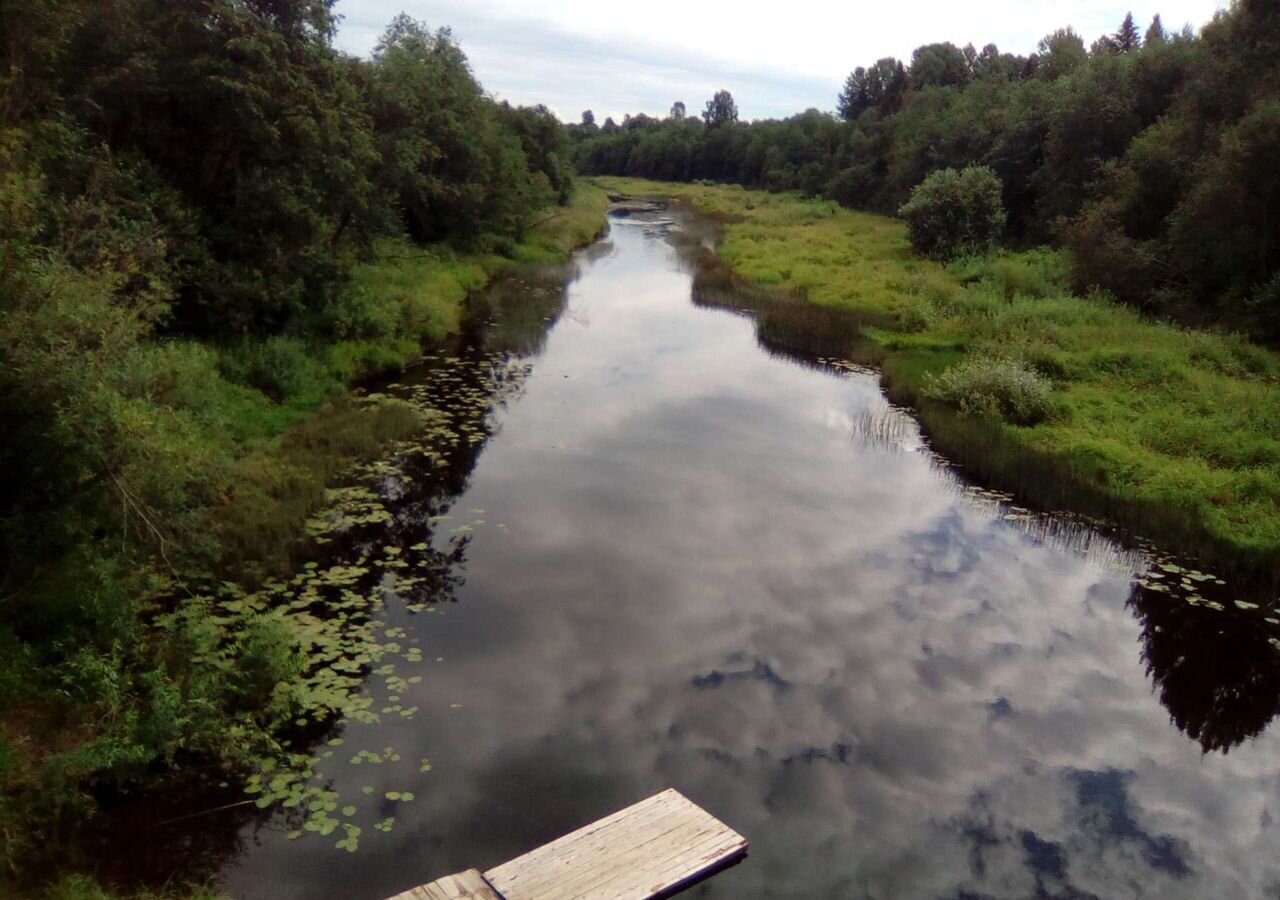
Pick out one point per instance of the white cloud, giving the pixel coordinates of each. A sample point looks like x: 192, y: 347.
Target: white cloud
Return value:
x: 618, y: 58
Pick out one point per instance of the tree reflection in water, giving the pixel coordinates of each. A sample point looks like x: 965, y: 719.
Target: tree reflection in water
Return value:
x: 1217, y: 671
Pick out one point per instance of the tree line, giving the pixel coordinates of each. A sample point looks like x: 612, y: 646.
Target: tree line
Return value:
x: 1150, y: 154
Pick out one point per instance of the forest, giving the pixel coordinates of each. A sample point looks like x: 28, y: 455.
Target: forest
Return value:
x: 1149, y: 154
x: 211, y: 222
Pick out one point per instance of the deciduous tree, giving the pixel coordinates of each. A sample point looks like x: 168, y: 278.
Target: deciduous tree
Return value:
x: 721, y: 110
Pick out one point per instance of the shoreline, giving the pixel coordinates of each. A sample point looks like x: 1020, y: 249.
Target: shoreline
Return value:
x: 1080, y: 460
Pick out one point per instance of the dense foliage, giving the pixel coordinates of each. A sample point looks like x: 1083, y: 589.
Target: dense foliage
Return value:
x: 185, y: 190
x: 953, y: 212
x: 1153, y: 157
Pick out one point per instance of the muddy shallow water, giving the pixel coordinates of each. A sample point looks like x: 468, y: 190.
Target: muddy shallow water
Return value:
x: 671, y: 557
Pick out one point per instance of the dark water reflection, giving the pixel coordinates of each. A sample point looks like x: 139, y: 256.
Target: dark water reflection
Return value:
x: 688, y: 574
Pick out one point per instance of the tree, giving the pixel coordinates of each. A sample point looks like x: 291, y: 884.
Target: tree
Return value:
x: 588, y: 118
x: 853, y: 99
x: 455, y: 162
x: 721, y: 110
x: 992, y: 64
x: 545, y: 145
x: 953, y: 212
x: 892, y: 74
x: 880, y: 87
x: 1155, y: 32
x: 939, y: 65
x: 1127, y: 38
x: 678, y: 111
x: 279, y: 164
x: 1104, y: 45
x: 1061, y: 53
x: 639, y: 122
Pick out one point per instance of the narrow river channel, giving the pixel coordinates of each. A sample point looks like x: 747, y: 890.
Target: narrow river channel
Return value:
x: 673, y: 557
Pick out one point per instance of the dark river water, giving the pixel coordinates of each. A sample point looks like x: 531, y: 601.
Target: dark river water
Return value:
x: 672, y: 557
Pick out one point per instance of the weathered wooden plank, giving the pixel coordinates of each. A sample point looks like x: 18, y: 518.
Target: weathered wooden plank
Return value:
x: 646, y: 846
x: 468, y: 885
x: 665, y: 863
x: 593, y: 841
x: 640, y: 852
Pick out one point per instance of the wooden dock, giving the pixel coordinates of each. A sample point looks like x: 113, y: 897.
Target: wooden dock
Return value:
x: 653, y: 849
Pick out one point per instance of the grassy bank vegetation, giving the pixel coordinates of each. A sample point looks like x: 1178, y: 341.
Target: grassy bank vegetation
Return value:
x: 98, y: 693
x: 287, y: 450
x: 1170, y: 432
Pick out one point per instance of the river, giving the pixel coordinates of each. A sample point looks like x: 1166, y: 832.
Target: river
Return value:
x: 671, y: 556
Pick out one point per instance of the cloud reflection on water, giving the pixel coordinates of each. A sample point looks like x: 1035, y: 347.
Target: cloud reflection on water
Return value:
x: 701, y: 583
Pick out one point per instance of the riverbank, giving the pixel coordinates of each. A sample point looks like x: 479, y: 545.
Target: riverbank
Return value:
x: 405, y: 297
x: 122, y: 679
x: 1167, y: 433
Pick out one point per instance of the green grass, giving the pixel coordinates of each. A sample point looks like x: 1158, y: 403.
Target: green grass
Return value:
x: 1171, y: 433
x: 282, y: 401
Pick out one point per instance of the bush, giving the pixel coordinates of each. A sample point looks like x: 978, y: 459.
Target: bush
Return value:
x: 955, y: 211
x: 358, y: 312
x: 279, y: 366
x: 1263, y: 309
x: 1036, y: 274
x: 999, y: 388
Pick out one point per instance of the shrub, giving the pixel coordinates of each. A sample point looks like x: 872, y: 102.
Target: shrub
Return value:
x: 1038, y: 274
x: 358, y: 312
x: 955, y: 211
x: 1263, y: 309
x: 279, y: 366
x: 993, y: 387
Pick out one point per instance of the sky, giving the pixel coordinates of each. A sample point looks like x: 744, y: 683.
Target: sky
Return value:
x: 776, y: 58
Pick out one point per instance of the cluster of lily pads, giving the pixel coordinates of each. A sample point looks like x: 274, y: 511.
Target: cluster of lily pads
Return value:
x: 383, y: 547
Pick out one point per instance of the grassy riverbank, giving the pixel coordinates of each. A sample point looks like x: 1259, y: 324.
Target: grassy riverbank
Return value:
x: 1171, y: 433
x: 107, y: 687
x: 301, y: 427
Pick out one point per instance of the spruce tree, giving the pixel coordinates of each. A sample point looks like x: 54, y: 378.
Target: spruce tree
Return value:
x: 1155, y: 33
x: 854, y: 98
x: 1127, y: 38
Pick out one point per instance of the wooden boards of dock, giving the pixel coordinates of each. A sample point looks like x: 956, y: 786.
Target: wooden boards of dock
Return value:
x: 652, y: 849
x: 468, y: 885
